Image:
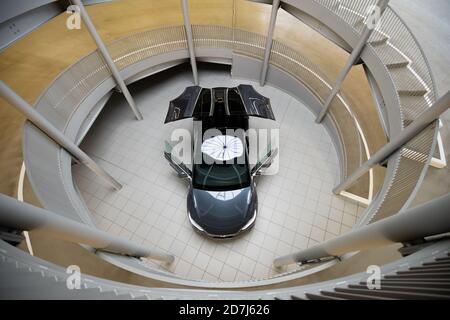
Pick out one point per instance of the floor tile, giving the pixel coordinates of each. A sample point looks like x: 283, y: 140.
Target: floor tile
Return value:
x: 296, y: 207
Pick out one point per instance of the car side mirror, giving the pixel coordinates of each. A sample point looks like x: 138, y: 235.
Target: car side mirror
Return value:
x: 257, y: 173
x: 182, y: 171
x: 264, y: 163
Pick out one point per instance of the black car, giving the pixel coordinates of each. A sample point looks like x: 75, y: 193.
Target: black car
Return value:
x: 222, y: 200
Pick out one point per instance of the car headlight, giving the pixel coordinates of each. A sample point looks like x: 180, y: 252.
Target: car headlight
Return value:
x: 250, y: 222
x: 195, y: 224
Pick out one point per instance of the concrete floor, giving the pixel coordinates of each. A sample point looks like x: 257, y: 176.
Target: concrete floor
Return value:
x: 296, y: 206
x: 31, y: 64
x: 428, y: 19
x: 429, y: 22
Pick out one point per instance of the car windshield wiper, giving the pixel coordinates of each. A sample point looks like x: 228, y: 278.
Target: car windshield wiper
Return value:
x: 238, y: 175
x: 207, y: 175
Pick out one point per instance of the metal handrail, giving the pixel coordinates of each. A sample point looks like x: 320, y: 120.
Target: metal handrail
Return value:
x: 426, y: 220
x: 433, y: 82
x: 399, y: 191
x: 134, y: 55
x: 182, y: 45
x: 339, y: 104
x: 398, y: 142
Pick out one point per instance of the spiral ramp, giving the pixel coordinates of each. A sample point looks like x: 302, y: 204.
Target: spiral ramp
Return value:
x: 388, y: 89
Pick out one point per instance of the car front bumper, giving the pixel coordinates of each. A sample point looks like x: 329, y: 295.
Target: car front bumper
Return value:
x: 202, y: 231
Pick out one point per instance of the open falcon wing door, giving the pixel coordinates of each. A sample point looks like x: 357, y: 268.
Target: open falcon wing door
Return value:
x: 197, y: 102
x: 255, y: 104
x: 183, y: 106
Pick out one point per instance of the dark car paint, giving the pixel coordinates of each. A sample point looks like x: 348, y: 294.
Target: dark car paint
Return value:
x: 222, y: 218
x: 186, y: 105
x: 221, y: 109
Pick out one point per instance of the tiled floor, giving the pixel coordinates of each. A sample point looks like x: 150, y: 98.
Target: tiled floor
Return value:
x: 296, y: 207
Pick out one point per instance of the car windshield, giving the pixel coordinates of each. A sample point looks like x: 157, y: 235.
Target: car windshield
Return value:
x: 221, y: 176
x: 220, y: 169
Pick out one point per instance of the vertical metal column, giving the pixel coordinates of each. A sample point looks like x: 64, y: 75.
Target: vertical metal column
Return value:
x: 23, y: 216
x: 429, y: 219
x: 354, y: 56
x: 190, y: 39
x: 43, y: 124
x: 269, y: 40
x: 112, y: 67
x: 409, y: 133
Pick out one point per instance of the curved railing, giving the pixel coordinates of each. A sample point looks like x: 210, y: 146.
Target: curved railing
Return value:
x: 416, y: 155
x: 139, y: 46
x: 301, y: 68
x: 48, y: 281
x: 392, y: 27
x: 355, y: 12
x: 402, y: 39
x: 354, y: 144
x: 410, y: 73
x: 72, y: 86
x: 68, y: 92
x: 62, y: 98
x: 391, y: 30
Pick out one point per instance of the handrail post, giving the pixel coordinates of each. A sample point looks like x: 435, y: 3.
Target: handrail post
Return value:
x: 269, y: 41
x: 22, y: 216
x: 109, y: 61
x: 354, y: 56
x: 190, y: 39
x: 410, y: 132
x: 43, y: 124
x: 429, y: 219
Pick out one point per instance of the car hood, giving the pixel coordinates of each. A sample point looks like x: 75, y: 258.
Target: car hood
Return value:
x: 222, y: 212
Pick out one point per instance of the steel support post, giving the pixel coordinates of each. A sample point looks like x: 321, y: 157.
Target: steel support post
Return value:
x: 52, y: 132
x: 190, y: 39
x: 109, y: 61
x: 354, y: 56
x: 409, y: 133
x: 269, y: 41
x: 429, y: 219
x: 22, y: 216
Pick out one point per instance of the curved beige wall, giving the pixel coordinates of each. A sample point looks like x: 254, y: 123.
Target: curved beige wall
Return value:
x: 30, y: 64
